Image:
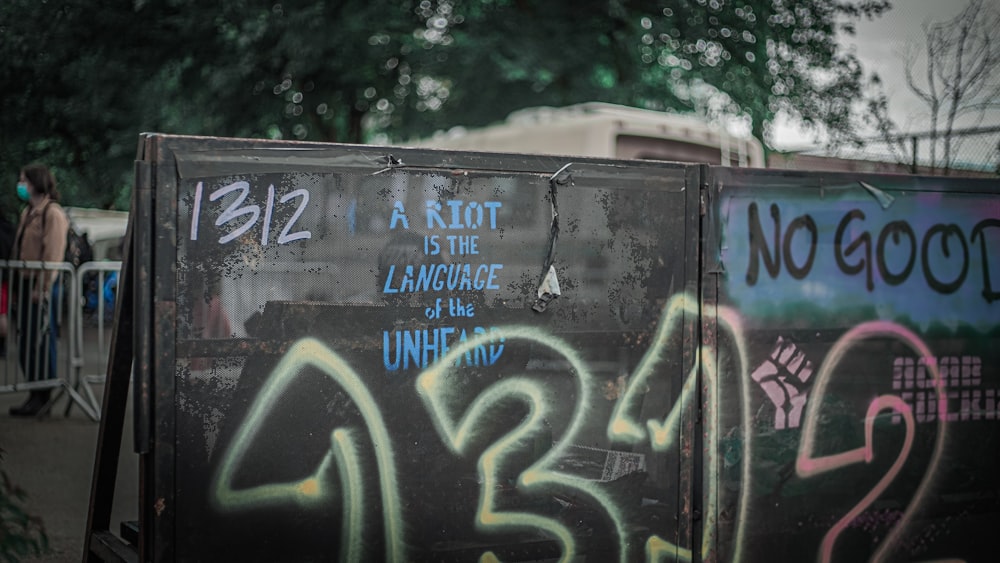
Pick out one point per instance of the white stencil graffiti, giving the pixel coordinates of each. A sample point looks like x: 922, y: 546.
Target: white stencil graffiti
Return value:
x: 783, y: 377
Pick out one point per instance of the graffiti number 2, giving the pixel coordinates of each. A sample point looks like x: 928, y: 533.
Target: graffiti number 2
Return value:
x: 807, y: 466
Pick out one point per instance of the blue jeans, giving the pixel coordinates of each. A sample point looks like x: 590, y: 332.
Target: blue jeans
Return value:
x: 37, y: 336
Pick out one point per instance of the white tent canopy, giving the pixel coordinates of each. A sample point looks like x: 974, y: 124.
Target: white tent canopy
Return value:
x: 104, y: 229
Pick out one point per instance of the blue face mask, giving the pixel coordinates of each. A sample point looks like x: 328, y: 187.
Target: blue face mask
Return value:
x: 22, y: 191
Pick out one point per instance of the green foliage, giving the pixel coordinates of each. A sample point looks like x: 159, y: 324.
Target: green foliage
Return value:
x: 20, y: 533
x: 749, y: 59
x: 83, y: 82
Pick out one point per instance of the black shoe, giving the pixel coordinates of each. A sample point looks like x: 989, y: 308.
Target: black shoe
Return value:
x: 32, y: 406
x: 17, y: 411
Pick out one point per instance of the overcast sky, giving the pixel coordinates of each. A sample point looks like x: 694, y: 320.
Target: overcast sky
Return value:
x: 880, y: 45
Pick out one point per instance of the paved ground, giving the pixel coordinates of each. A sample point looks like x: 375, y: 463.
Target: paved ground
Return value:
x: 52, y: 459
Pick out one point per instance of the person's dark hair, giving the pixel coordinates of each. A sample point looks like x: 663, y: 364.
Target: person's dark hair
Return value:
x: 43, y: 180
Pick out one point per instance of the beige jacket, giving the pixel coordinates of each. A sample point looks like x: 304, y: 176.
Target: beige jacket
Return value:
x: 32, y: 242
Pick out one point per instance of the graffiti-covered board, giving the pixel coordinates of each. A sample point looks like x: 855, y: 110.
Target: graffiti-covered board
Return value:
x: 365, y: 354
x: 360, y: 353
x: 854, y: 341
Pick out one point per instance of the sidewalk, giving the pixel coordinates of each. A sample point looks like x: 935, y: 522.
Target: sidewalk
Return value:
x: 52, y: 459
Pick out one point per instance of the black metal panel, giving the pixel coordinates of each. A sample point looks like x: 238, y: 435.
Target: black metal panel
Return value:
x: 353, y: 353
x: 353, y: 357
x: 855, y: 321
x: 99, y: 542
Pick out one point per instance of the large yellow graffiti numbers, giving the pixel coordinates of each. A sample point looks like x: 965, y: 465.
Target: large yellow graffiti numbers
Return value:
x: 462, y: 420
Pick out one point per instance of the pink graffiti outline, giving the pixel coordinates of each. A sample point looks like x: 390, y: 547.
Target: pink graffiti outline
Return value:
x: 808, y: 466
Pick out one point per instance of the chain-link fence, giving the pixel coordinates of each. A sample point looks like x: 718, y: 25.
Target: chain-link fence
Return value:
x: 965, y: 152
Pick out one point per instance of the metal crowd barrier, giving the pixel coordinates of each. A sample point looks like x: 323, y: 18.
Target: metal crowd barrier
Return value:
x: 80, y: 322
x: 97, y: 284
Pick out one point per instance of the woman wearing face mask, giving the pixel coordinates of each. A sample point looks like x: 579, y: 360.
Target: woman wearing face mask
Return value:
x: 41, y: 235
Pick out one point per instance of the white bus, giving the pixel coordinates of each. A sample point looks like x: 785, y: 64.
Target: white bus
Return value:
x: 606, y: 131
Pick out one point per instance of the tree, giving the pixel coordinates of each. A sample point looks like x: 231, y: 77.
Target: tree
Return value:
x: 960, y: 79
x: 72, y: 94
x: 749, y: 59
x: 21, y: 534
x: 90, y: 80
x: 399, y: 69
